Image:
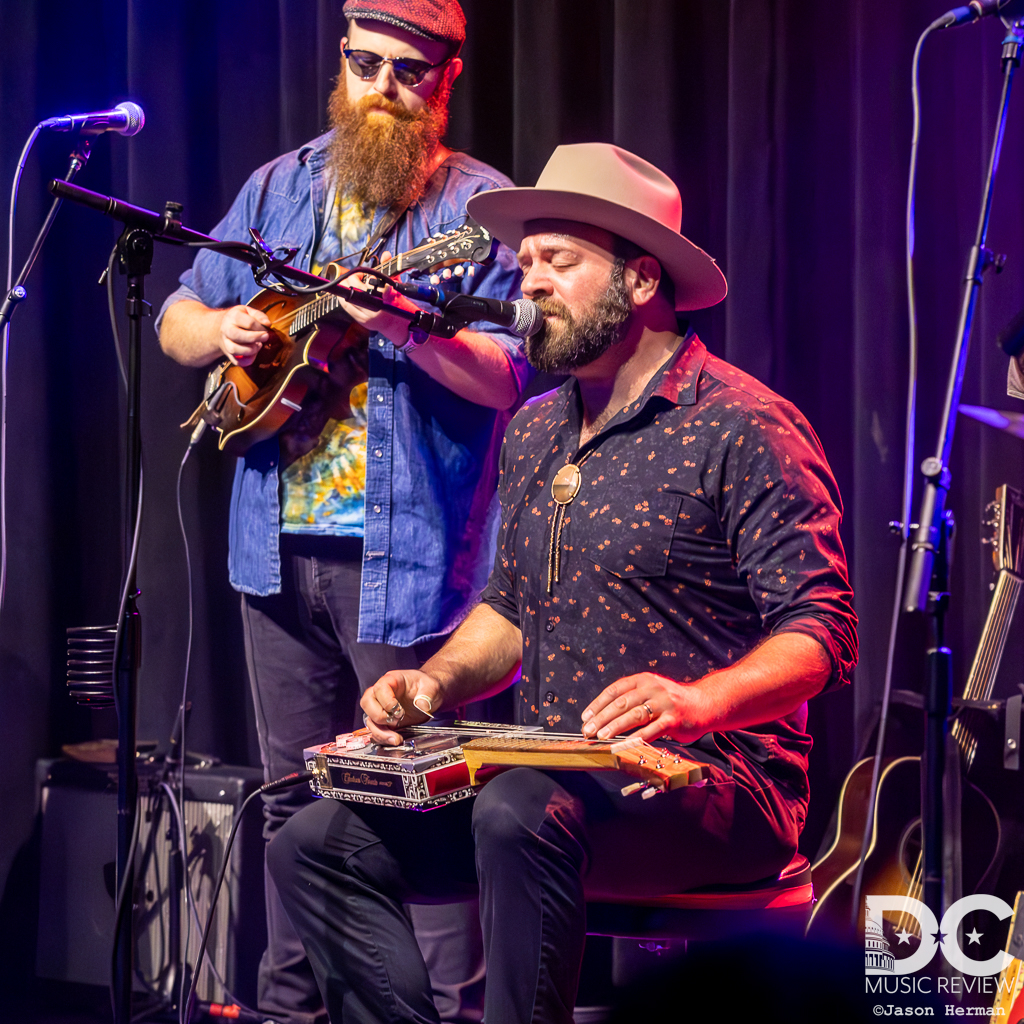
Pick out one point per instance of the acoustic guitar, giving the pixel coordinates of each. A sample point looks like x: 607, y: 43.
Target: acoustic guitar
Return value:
x: 313, y: 344
x: 894, y: 858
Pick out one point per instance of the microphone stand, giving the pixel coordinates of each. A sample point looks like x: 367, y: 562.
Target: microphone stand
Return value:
x: 927, y: 580
x: 166, y: 227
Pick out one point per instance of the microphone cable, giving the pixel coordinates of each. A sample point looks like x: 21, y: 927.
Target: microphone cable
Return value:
x: 4, y: 351
x: 906, y: 511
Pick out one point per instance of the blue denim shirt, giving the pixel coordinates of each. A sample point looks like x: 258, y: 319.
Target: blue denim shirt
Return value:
x: 432, y: 457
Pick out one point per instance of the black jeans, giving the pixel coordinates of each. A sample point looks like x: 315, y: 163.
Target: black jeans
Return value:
x: 307, y: 672
x: 535, y: 845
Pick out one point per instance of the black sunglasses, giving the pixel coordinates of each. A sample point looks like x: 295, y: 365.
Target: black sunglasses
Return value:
x: 366, y: 65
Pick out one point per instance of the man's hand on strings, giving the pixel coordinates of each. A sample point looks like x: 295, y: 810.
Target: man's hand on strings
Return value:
x: 243, y: 331
x: 394, y: 328
x: 398, y: 699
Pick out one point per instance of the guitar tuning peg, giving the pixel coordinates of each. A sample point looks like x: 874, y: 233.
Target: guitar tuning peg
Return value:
x: 434, y: 279
x: 471, y: 272
x: 447, y: 274
x: 651, y: 791
x: 459, y: 271
x: 632, y: 788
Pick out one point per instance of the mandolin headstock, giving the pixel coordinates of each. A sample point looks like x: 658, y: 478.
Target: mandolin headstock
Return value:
x: 470, y: 243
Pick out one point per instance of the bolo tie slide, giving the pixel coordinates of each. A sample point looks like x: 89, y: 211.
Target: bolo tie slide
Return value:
x: 564, y: 487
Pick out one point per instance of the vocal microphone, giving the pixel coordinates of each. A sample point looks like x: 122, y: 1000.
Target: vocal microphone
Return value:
x: 1010, y: 9
x: 522, y: 316
x: 126, y: 119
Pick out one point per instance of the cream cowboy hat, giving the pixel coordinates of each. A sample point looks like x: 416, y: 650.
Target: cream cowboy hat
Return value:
x: 599, y: 184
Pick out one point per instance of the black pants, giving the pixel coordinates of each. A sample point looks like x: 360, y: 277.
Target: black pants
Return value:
x: 535, y: 845
x: 307, y: 672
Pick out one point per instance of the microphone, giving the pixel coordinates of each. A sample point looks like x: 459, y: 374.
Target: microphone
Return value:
x: 1010, y: 9
x: 521, y: 316
x: 126, y: 119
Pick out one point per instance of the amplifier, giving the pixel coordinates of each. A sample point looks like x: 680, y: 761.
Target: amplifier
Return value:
x: 78, y: 803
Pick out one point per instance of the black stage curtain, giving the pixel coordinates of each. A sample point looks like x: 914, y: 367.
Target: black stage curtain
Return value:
x: 786, y: 124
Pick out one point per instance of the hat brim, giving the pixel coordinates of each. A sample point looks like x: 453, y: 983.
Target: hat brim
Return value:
x: 505, y: 212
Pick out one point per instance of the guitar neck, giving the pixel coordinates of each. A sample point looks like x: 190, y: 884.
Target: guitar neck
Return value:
x: 327, y: 303
x: 313, y: 312
x: 659, y: 768
x: 469, y: 244
x: 989, y: 655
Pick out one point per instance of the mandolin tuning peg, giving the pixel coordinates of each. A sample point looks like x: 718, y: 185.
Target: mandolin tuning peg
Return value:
x: 471, y: 272
x: 632, y: 788
x: 459, y: 271
x: 447, y: 274
x: 434, y: 279
x: 651, y: 791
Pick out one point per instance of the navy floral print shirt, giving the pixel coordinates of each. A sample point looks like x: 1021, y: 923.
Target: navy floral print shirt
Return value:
x: 707, y: 520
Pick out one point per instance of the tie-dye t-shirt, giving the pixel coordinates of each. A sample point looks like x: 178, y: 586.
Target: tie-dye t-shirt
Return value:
x: 322, y: 491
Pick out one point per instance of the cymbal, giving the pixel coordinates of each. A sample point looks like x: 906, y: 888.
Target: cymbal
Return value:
x: 1011, y: 422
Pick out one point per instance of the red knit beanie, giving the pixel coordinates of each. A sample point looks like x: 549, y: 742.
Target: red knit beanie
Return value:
x: 440, y: 20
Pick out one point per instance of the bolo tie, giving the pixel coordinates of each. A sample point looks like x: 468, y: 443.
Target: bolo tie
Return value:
x: 564, y: 488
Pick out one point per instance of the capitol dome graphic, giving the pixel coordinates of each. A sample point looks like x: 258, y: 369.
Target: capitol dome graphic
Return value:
x: 877, y: 958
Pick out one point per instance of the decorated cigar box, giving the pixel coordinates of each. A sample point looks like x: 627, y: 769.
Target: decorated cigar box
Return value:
x: 427, y: 771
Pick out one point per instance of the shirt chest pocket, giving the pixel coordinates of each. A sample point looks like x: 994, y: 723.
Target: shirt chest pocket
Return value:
x: 634, y: 539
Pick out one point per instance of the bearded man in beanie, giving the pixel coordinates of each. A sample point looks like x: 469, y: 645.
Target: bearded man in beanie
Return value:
x: 669, y: 562
x: 360, y: 539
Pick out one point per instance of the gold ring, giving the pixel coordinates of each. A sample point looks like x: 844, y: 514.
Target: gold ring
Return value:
x: 649, y: 711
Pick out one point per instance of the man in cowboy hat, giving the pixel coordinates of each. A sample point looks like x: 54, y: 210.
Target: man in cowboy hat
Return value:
x: 669, y: 561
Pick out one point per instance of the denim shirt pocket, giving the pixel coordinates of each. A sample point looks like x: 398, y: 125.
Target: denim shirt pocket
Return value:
x: 635, y: 540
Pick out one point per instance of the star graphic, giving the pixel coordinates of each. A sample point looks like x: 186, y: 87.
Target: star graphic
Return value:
x: 904, y: 935
x: 939, y: 936
x: 974, y: 936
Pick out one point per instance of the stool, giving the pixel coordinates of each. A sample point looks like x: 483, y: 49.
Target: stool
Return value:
x: 782, y: 903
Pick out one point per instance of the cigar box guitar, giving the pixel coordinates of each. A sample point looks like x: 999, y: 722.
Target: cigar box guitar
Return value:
x: 438, y: 765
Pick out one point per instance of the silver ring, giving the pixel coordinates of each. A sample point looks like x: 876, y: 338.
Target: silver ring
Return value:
x: 649, y: 712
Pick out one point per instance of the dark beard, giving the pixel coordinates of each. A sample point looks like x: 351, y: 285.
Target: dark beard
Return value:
x: 383, y: 161
x: 568, y: 342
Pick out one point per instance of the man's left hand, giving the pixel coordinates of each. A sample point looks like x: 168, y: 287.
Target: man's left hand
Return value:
x: 394, y: 328
x: 656, y: 705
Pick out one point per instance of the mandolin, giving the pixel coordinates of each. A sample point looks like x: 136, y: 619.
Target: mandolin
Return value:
x: 314, y: 346
x: 894, y: 860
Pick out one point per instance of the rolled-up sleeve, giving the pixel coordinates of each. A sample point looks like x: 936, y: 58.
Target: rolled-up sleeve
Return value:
x: 783, y: 524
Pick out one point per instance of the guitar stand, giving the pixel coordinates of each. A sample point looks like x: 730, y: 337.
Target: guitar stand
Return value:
x: 1009, y: 709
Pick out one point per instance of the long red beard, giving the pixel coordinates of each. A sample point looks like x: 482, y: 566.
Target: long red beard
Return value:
x: 382, y: 159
